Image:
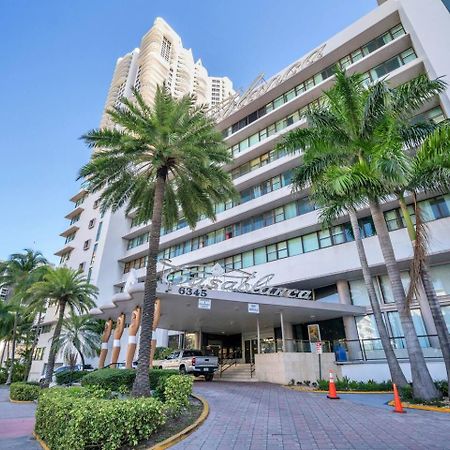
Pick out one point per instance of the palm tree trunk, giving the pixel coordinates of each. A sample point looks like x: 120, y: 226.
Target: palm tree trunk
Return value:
x: 141, y: 386
x: 33, y: 347
x: 54, y: 346
x: 397, y: 375
x: 5, y: 343
x: 423, y: 386
x: 13, y: 351
x: 435, y: 307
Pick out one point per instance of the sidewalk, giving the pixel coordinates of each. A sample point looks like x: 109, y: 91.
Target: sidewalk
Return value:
x: 262, y: 416
x: 16, y: 424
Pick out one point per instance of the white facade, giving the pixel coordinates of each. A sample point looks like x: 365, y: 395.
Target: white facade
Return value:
x: 270, y: 230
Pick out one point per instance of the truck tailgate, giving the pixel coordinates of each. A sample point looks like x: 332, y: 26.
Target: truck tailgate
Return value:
x: 206, y: 361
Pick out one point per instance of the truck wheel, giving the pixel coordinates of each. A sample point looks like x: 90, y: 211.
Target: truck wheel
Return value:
x: 182, y: 370
x: 209, y: 377
x: 160, y: 367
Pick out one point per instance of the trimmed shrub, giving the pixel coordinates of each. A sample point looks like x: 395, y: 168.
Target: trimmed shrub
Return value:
x: 345, y: 384
x: 24, y: 392
x: 111, y: 379
x: 68, y: 418
x: 70, y: 376
x: 118, y: 379
x: 177, y: 391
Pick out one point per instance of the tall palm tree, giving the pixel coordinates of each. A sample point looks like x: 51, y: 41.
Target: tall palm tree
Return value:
x: 18, y: 273
x: 79, y: 334
x: 64, y: 288
x: 353, y: 123
x: 162, y: 161
x: 430, y: 171
x: 324, y: 194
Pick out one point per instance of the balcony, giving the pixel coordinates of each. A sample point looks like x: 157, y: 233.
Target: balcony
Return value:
x: 66, y: 249
x: 74, y: 212
x: 69, y: 231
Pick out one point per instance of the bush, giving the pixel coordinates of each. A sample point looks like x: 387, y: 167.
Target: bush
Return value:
x: 177, y: 391
x: 111, y: 379
x: 70, y: 376
x: 3, y: 375
x: 345, y: 384
x: 73, y: 418
x: 406, y: 393
x: 162, y: 352
x: 24, y: 392
x: 118, y: 379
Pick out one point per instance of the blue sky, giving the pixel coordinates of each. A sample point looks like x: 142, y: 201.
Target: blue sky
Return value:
x: 57, y: 59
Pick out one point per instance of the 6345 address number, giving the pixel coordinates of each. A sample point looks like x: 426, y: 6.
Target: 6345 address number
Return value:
x: 190, y: 291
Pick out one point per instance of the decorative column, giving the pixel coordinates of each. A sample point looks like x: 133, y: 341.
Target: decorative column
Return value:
x: 120, y: 325
x: 258, y: 336
x: 105, y: 338
x: 132, y: 332
x: 154, y: 327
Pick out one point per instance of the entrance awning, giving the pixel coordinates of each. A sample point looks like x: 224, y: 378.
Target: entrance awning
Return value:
x: 229, y: 313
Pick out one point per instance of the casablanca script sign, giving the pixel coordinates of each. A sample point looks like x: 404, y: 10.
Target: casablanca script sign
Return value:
x: 257, y: 89
x: 236, y: 281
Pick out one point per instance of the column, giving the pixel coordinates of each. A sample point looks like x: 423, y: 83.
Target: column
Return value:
x: 132, y: 336
x: 105, y: 338
x: 156, y: 317
x: 258, y: 336
x: 287, y: 332
x: 120, y: 326
x: 351, y: 331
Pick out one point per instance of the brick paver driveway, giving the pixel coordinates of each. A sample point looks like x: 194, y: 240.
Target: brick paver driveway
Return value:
x: 265, y: 416
x: 16, y: 424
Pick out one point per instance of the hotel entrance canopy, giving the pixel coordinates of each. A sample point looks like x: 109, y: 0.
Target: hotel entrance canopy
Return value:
x: 226, y: 312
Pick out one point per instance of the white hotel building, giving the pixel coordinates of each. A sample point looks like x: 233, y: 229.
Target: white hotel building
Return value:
x: 270, y: 230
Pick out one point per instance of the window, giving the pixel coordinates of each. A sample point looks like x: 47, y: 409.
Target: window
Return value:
x: 91, y: 223
x: 166, y: 47
x: 86, y: 244
x: 385, y: 286
x: 310, y: 242
x: 70, y: 238
x: 4, y: 292
x: 440, y: 275
x: 99, y: 230
x: 439, y: 207
x: 358, y: 292
x: 295, y: 246
x: 39, y: 354
x: 75, y: 219
x: 367, y: 328
x: 81, y: 267
x: 446, y: 314
x: 327, y: 294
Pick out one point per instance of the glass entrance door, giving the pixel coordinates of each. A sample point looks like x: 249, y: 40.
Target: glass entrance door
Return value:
x: 251, y: 348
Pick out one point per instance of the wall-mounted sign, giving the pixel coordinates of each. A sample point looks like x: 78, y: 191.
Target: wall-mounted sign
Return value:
x: 215, y: 278
x: 253, y: 308
x: 204, y: 303
x: 314, y: 332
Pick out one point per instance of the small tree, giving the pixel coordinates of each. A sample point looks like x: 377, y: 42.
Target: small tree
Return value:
x: 64, y: 288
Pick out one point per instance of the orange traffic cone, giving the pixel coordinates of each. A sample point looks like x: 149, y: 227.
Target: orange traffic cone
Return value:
x: 398, y: 408
x: 332, y: 394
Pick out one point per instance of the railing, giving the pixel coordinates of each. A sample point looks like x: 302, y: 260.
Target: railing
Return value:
x: 226, y: 363
x: 294, y: 345
x: 372, y: 349
x: 252, y: 369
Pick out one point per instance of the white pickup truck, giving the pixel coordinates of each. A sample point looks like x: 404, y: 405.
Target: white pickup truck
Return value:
x: 192, y: 362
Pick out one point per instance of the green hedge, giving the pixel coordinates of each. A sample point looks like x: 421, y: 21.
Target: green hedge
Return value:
x: 70, y: 376
x: 3, y: 375
x: 77, y: 419
x: 24, y: 391
x: 118, y: 379
x: 345, y: 384
x: 177, y: 391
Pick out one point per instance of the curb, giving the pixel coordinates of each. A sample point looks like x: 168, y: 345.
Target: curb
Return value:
x: 423, y: 407
x: 20, y: 401
x: 183, y: 434
x: 299, y: 389
x: 40, y: 441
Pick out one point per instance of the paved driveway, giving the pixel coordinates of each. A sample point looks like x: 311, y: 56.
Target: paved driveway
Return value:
x: 16, y: 424
x: 262, y: 416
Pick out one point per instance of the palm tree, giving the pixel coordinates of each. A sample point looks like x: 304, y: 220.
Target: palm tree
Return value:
x: 64, y: 288
x: 162, y: 162
x: 6, y: 327
x: 79, y: 334
x: 430, y: 171
x: 354, y: 122
x: 18, y: 273
x: 319, y: 170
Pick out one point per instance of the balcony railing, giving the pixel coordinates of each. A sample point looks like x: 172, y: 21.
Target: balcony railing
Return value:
x: 372, y: 350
